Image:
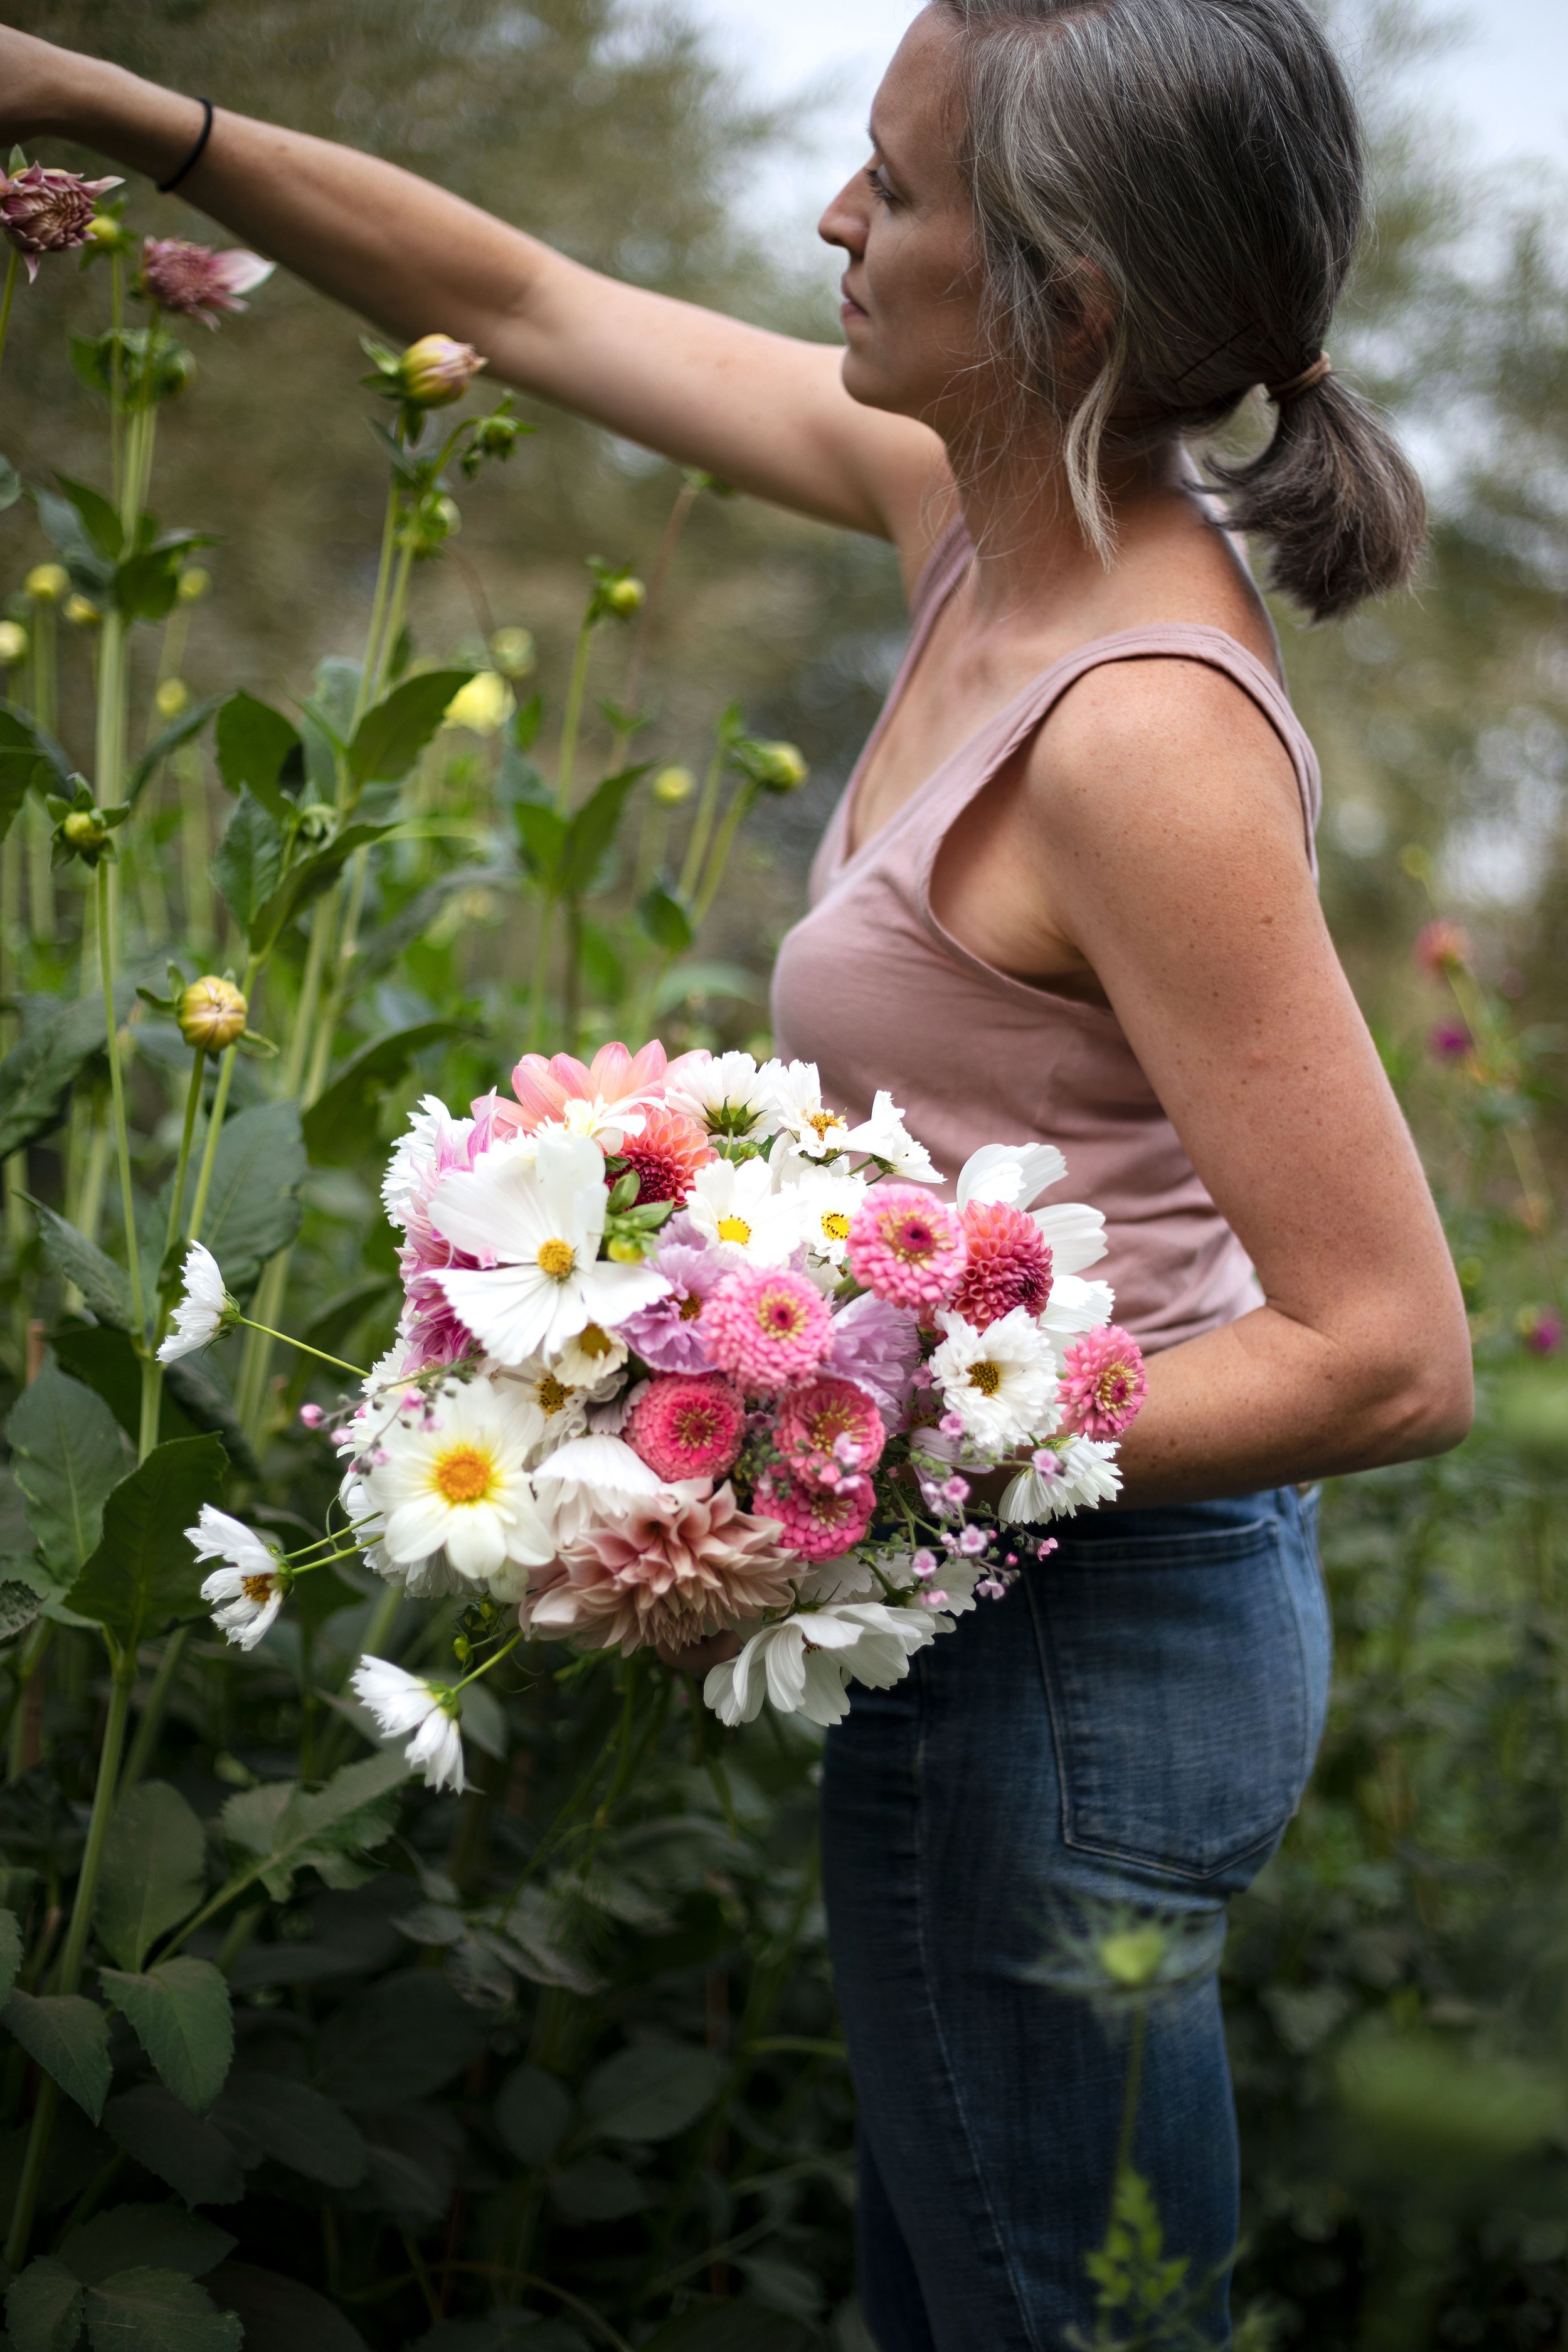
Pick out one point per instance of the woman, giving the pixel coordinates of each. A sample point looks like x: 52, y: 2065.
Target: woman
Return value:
x: 1070, y: 896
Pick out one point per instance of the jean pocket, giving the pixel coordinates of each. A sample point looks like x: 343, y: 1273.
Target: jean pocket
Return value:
x: 1182, y: 1702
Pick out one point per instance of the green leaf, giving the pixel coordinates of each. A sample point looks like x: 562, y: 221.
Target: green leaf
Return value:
x: 179, y: 730
x: 97, y: 515
x: 28, y: 754
x: 305, y: 881
x: 258, y: 748
x: 10, y: 1952
x: 296, y: 2125
x: 10, y: 484
x: 38, y: 1074
x: 179, y: 2011
x: 249, y: 862
x: 163, y: 2137
x: 596, y: 2189
x: 391, y: 736
x: 591, y: 832
x: 283, y: 2314
x: 146, y: 586
x: 337, y: 1122
x: 651, y: 2091
x: 42, y: 2307
x: 665, y: 920
x: 153, y: 1874
x: 285, y: 1826
x: 192, y: 1399
x: 533, y: 2112
x: 735, y: 2327
x: 543, y: 834
x: 126, y: 2234
x: 68, y: 2036
x: 69, y: 1453
x: 404, y: 2039
x: 253, y: 1208
x: 104, y: 1285
x: 144, y: 1576
x: 19, y: 1604
x: 89, y: 570
x: 158, y: 2311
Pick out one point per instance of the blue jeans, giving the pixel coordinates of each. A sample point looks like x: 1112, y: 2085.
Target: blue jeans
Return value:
x: 1133, y: 1724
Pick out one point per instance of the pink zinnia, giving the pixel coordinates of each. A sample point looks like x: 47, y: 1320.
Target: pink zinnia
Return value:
x: 1102, y: 1383
x: 674, y: 1570
x: 44, y: 211
x: 906, y: 1246
x: 665, y: 1155
x: 196, y: 282
x: 767, y: 1326
x: 687, y: 1428
x: 826, y: 1429
x: 1009, y: 1265
x: 817, y: 1522
x: 1443, y: 947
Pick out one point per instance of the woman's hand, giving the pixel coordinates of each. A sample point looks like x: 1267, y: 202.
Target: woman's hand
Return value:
x: 698, y: 1656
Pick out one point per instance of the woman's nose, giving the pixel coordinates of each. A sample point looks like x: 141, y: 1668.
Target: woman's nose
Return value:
x: 844, y: 222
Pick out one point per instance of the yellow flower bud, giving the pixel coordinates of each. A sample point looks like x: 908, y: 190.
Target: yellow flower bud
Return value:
x: 171, y: 697
x: 1415, y: 861
x: 511, y: 650
x: 623, y: 1251
x: 81, y: 612
x: 85, y: 829
x: 435, y: 370
x: 781, y: 767
x: 212, y: 1014
x: 624, y: 597
x: 13, y: 644
x: 48, y: 582
x: 483, y: 705
x: 194, y: 583
x: 673, y: 785
x: 1131, y: 1957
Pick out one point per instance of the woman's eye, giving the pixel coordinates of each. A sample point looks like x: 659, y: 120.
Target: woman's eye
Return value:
x: 878, y: 186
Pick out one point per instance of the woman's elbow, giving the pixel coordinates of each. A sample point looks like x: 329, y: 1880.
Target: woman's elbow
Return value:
x: 1425, y: 1400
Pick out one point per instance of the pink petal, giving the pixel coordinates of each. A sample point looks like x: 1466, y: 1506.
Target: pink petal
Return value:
x: 238, y: 270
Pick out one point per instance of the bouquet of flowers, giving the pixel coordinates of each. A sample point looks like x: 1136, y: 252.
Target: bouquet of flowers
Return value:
x: 684, y: 1353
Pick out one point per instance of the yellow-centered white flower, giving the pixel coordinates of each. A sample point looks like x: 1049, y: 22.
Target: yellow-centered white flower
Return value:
x: 726, y: 1095
x: 402, y: 1702
x: 811, y: 1125
x: 454, y: 1478
x: 886, y: 1138
x: 199, y: 1315
x: 735, y: 1201
x: 247, y: 1592
x: 541, y: 1215
x: 828, y: 1198
x: 1085, y: 1474
x: 1001, y: 1382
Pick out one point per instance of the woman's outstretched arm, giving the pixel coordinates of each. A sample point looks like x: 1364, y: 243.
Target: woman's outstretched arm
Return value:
x: 763, y: 412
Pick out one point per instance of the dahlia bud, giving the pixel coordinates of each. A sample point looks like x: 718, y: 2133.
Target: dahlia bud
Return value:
x: 624, y: 597
x: 435, y: 370
x: 48, y: 582
x: 49, y: 211
x: 779, y: 767
x: 194, y: 282
x: 625, y: 1250
x: 84, y: 829
x: 483, y: 705
x: 673, y: 785
x: 171, y: 697
x: 193, y: 584
x: 511, y: 650
x: 108, y: 233
x: 81, y: 612
x: 13, y: 644
x: 212, y: 1014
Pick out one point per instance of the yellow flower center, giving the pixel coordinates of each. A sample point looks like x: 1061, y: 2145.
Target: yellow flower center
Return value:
x: 985, y: 1376
x: 556, y: 1259
x: 551, y: 1393
x: 594, y: 1341
x: 464, y: 1474
x: 821, y: 1120
x: 257, y: 1588
x: 835, y: 1225
x: 734, y: 1229
x: 690, y: 1308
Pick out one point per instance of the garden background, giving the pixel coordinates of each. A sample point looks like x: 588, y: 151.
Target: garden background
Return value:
x: 616, y: 2104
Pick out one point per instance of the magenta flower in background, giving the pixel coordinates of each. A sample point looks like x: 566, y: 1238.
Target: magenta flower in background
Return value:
x: 1541, y: 1328
x: 194, y: 282
x: 48, y: 212
x: 1449, y: 1040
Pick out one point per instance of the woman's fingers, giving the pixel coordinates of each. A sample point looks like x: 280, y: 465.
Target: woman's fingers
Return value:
x: 698, y: 1656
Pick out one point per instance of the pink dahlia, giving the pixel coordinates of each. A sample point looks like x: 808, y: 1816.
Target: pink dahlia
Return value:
x: 767, y: 1326
x: 1009, y: 1265
x: 665, y: 1155
x: 615, y: 1076
x: 44, y: 211
x: 817, y: 1522
x: 687, y: 1428
x: 679, y: 1566
x: 1102, y: 1383
x: 667, y: 1335
x: 196, y: 282
x: 906, y: 1246
x: 828, y: 1430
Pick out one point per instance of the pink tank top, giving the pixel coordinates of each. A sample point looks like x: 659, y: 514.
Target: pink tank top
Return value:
x: 871, y: 988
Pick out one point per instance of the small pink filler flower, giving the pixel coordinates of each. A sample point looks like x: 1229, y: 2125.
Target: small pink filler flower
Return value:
x: 1102, y: 1383
x: 45, y: 211
x: 194, y: 282
x: 687, y: 1428
x: 906, y: 1246
x: 767, y: 1326
x: 1009, y: 1265
x: 828, y: 1428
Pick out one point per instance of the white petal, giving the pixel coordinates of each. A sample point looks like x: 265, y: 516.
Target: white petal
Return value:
x: 1013, y: 1173
x: 509, y: 1310
x: 1075, y: 1234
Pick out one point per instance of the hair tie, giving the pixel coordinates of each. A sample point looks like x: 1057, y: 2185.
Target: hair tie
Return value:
x: 167, y: 187
x: 1282, y: 395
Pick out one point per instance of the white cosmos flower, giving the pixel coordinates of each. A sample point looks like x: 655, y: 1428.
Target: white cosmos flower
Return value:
x: 431, y: 1578
x: 200, y: 1315
x: 541, y: 1217
x: 1001, y: 1382
x: 798, y: 1108
x: 1087, y: 1474
x: 827, y: 1198
x: 414, y: 1155
x: 886, y: 1138
x: 802, y: 1664
x: 591, y: 1360
x: 563, y: 1402
x: 1077, y: 1305
x: 726, y: 1095
x: 454, y: 1478
x: 1075, y: 1234
x: 1013, y: 1174
x: 587, y: 1477
x: 402, y: 1702
x: 734, y: 1201
x: 247, y: 1592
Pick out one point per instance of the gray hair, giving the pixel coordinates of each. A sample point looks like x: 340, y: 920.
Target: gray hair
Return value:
x: 1194, y: 170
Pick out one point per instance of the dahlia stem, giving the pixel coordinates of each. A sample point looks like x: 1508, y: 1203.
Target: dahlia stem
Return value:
x: 572, y: 718
x: 370, y: 664
x: 744, y: 795
x: 702, y: 823
x: 106, y: 927
x: 214, y: 1123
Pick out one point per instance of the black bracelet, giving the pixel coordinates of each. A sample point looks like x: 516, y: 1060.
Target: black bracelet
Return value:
x: 167, y: 187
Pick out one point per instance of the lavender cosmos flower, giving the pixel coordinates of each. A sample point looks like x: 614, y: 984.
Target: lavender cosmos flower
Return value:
x: 44, y: 211
x: 196, y: 282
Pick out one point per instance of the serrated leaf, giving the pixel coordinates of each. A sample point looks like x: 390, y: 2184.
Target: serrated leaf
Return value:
x: 306, y: 879
x: 68, y: 2036
x: 144, y: 1576
x: 27, y: 753
x: 651, y: 2091
x: 39, y: 1073
x: 404, y: 2039
x: 258, y: 752
x: 42, y: 2307
x: 129, y: 2234
x: 104, y: 1285
x: 193, y: 1400
x: 19, y: 1604
x: 158, y: 2311
x: 179, y: 730
x: 69, y: 1453
x: 287, y: 1827
x: 163, y: 2137
x: 97, y: 518
x: 180, y: 2013
x: 90, y: 571
x: 298, y: 2126
x: 253, y: 1207
x: 152, y: 1874
x: 390, y: 735
x: 335, y: 1124
x: 533, y: 2112
x: 535, y: 1943
x: 249, y: 862
x: 543, y: 835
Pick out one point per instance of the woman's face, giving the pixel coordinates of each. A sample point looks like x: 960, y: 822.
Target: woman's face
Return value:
x: 911, y: 288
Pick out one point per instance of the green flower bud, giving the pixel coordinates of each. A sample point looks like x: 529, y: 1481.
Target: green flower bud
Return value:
x: 194, y: 584
x: 81, y: 612
x: 48, y: 582
x: 673, y: 785
x: 779, y: 767
x: 13, y: 644
x: 511, y: 650
x: 624, y: 597
x: 435, y: 370
x: 171, y: 697
x: 212, y: 1013
x: 1132, y: 1955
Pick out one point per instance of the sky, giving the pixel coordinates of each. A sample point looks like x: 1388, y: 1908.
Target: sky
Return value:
x: 1504, y: 81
